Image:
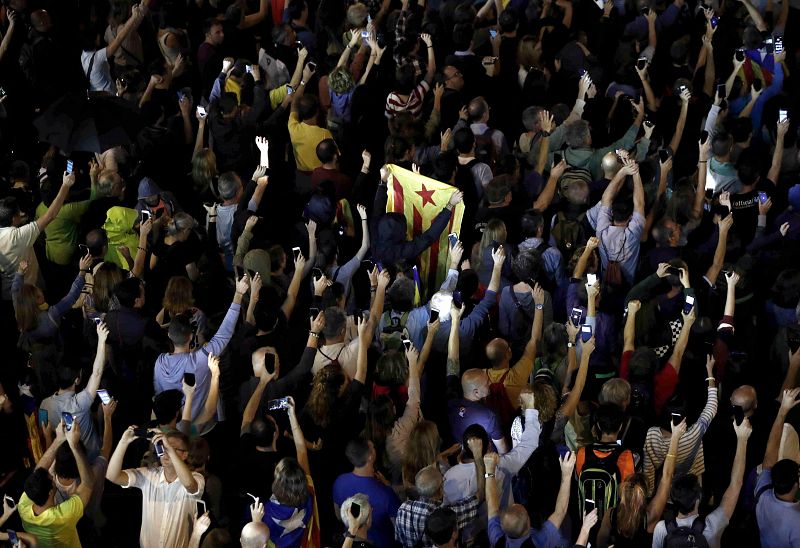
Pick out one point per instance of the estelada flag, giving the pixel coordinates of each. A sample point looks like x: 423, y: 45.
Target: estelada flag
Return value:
x: 421, y: 199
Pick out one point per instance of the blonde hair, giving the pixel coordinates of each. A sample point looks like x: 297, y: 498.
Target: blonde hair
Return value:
x: 525, y: 52
x: 340, y: 80
x: 178, y: 297
x: 495, y: 231
x: 26, y: 308
x: 421, y: 450
x: 632, y: 508
x: 545, y: 400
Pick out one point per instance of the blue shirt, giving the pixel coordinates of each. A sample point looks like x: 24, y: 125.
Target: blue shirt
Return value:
x: 383, y: 500
x: 464, y: 412
x: 778, y: 520
x: 546, y: 537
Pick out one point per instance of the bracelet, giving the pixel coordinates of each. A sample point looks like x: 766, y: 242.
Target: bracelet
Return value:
x: 302, y: 82
x: 312, y: 334
x: 85, y: 270
x: 702, y: 161
x: 348, y: 46
x: 212, y: 216
x: 140, y: 248
x: 671, y: 455
x: 544, y: 133
x: 711, y: 379
x: 373, y: 289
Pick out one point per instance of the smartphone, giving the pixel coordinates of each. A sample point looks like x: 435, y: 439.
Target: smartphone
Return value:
x: 11, y: 502
x: 83, y: 248
x: 620, y: 153
x: 312, y: 65
x: 649, y: 123
x: 104, y: 397
x: 2, y: 93
x: 68, y: 420
x: 365, y: 34
x: 249, y: 69
x: 269, y: 362
x: 740, y: 54
x: 495, y: 246
x: 289, y: 89
x: 407, y: 344
x: 714, y: 22
x: 557, y: 158
x: 355, y: 509
x: 317, y: 272
x: 298, y: 44
x: 296, y: 252
x: 793, y: 339
x: 676, y: 418
x: 280, y: 403
x: 762, y: 197
x: 575, y: 316
x: 70, y: 166
x: 769, y: 44
x: 757, y: 84
x: 783, y: 115
x: 143, y: 432
x: 160, y: 449
x: 588, y: 505
x: 380, y: 266
x: 146, y: 215
x: 591, y: 279
x: 457, y: 299
x: 434, y: 315
x: 703, y: 137
x: 688, y: 305
x: 97, y: 321
x: 189, y: 379
x: 12, y: 537
x: 645, y: 10
x: 778, y: 44
x: 452, y: 238
x: 201, y: 507
x: 586, y: 333
x: 738, y: 414
x: 663, y: 155
x: 201, y: 111
x: 721, y: 91
x: 255, y: 498
x: 674, y: 270
x: 682, y: 88
x: 313, y: 312
x: 493, y: 33
x: 641, y: 63
x: 181, y: 96
x: 43, y: 416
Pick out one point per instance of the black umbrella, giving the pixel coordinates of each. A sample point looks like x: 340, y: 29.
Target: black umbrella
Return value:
x: 90, y: 123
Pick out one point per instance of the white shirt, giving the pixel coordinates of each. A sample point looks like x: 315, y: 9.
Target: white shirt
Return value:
x: 100, y: 78
x: 716, y: 522
x: 16, y: 244
x: 167, y: 508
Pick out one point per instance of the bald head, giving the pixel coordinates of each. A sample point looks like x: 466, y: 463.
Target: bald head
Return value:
x: 475, y: 384
x: 498, y: 352
x: 478, y: 110
x: 610, y: 165
x: 515, y: 522
x: 746, y: 398
x: 254, y: 535
x: 429, y: 482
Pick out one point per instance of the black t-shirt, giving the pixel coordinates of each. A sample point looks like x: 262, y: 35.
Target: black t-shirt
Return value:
x: 256, y: 468
x: 745, y: 210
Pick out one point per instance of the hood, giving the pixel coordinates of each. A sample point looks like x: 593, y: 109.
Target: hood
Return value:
x: 147, y: 187
x: 578, y: 157
x: 119, y: 221
x: 392, y: 229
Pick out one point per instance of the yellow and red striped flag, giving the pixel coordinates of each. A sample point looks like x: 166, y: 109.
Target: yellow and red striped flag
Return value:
x: 421, y: 199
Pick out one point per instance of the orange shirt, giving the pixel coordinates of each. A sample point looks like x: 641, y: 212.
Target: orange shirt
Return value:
x: 624, y: 462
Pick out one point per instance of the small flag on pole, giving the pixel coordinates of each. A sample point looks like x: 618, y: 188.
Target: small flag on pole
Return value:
x: 420, y: 199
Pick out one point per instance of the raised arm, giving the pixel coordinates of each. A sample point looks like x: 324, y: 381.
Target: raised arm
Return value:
x: 251, y: 408
x: 638, y: 193
x: 294, y: 286
x: 788, y: 401
x: 427, y: 345
x: 731, y: 495
x: 722, y: 246
x: 210, y: 405
x: 49, y: 456
x: 137, y: 15
x: 702, y: 173
x: 114, y: 472
x: 84, y: 472
x: 376, y: 309
x: 55, y: 206
x: 141, y: 252
x: 199, y: 140
x: 656, y: 506
x: 453, y: 354
x: 99, y: 361
x: 545, y: 198
x: 580, y: 266
x: 299, y: 439
x: 255, y: 18
x: 574, y: 396
x: 365, y: 332
x: 476, y: 447
x: 790, y: 380
x: 683, y: 339
x: 538, y: 320
x: 362, y: 251
x: 678, y: 135
x: 431, y: 71
x: 108, y: 429
x: 567, y: 463
x: 777, y: 155
x: 255, y: 293
x: 490, y: 461
x: 629, y: 335
x: 311, y: 228
x: 752, y: 11
x: 13, y: 18
x: 616, y: 182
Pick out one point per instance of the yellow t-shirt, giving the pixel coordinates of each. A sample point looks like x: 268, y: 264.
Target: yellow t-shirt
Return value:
x: 55, y: 526
x: 305, y: 139
x: 516, y: 379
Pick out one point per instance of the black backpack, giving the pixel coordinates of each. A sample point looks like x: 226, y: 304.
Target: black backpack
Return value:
x: 569, y: 234
x: 600, y: 478
x: 686, y: 537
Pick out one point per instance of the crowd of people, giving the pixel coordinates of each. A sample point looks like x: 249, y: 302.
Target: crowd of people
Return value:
x: 215, y: 334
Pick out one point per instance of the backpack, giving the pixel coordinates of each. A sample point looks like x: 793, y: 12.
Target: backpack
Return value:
x: 523, y: 321
x: 498, y: 401
x: 686, y: 537
x: 599, y: 478
x: 394, y: 329
x: 485, y: 149
x: 568, y: 234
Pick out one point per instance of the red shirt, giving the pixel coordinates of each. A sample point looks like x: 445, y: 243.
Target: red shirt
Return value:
x: 665, y: 381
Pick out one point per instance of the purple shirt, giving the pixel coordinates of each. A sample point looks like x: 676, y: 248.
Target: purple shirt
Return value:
x: 463, y: 413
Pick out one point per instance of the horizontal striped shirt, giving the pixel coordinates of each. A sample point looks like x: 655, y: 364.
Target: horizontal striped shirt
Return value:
x: 395, y: 104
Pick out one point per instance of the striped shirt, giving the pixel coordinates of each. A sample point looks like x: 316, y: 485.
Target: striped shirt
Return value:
x: 690, y: 457
x: 395, y: 105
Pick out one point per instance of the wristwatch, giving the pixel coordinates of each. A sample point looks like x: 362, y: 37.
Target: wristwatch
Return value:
x: 488, y: 475
x: 570, y: 345
x: 539, y: 306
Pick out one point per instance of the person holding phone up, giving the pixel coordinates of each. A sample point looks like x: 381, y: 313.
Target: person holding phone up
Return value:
x: 55, y: 524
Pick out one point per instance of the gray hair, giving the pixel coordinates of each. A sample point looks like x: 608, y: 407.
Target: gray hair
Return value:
x: 429, y: 481
x: 530, y: 117
x: 578, y: 134
x: 366, y: 509
x: 228, y: 185
x: 180, y: 222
